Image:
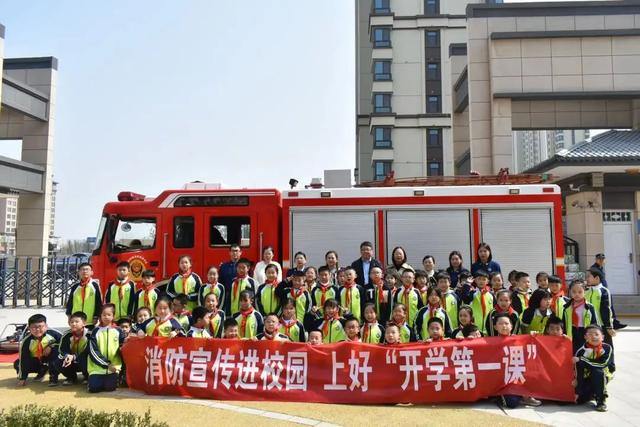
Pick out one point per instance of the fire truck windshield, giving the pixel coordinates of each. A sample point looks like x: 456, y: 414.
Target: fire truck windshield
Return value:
x: 134, y: 234
x: 100, y: 234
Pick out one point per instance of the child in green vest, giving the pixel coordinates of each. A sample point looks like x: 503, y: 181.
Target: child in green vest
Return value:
x: 38, y: 351
x: 450, y: 301
x: 521, y: 293
x: 535, y: 317
x: 85, y: 295
x: 74, y: 349
x: 121, y: 292
x: 216, y: 316
x: 180, y: 312
x: 141, y: 316
x: 185, y: 281
x: 163, y: 324
x: 212, y: 286
x: 433, y: 309
x: 503, y: 306
x: 148, y: 295
x: 331, y: 324
x: 578, y: 314
x: 351, y: 295
x: 593, y: 368
x: 465, y: 318
x: 199, y: 329
x: 289, y: 323
x: 241, y: 282
x: 399, y: 317
x: 372, y: 332
x: 105, y: 359
x: 267, y: 299
x: 294, y: 289
x: 249, y: 319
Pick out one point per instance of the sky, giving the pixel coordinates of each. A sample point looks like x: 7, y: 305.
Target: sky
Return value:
x: 152, y: 94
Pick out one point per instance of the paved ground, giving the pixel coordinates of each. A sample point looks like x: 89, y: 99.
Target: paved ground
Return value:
x: 623, y: 401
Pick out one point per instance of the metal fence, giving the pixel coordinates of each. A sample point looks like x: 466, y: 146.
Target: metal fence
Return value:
x: 37, y: 282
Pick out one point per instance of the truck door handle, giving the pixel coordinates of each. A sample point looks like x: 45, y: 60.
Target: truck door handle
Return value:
x: 154, y: 263
x: 630, y: 257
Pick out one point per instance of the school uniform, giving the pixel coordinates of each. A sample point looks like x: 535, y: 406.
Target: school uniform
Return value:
x: 382, y: 297
x: 520, y: 300
x: 250, y: 322
x: 600, y: 298
x: 482, y: 300
x: 188, y: 284
x: 294, y: 329
x: 147, y: 298
x: 410, y: 297
x: 104, y: 350
x: 301, y: 297
x: 216, y: 324
x: 488, y: 267
x: 558, y: 301
x: 78, y: 347
x: 184, y: 319
x: 267, y: 299
x: 576, y: 318
x: 216, y: 288
x: 456, y: 333
x: 372, y: 333
x: 321, y: 293
x: 593, y: 372
x: 407, y: 333
x: 31, y: 358
x: 534, y: 320
x: 154, y: 327
x: 198, y: 333
x: 232, y: 292
x: 264, y: 336
x: 352, y: 297
x: 332, y: 328
x: 122, y: 295
x: 451, y: 304
x: 87, y: 298
x: 513, y: 315
x: 422, y: 320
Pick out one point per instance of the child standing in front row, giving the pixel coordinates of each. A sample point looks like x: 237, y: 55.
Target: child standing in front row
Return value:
x: 432, y: 310
x: 578, y: 314
x: 163, y: 324
x: 73, y: 350
x: 371, y: 332
x: 392, y: 334
x: 216, y: 316
x: 558, y: 300
x: 399, y: 318
x: 503, y: 306
x: 105, y: 359
x: 271, y: 330
x: 331, y: 324
x: 121, y: 292
x: 289, y: 324
x: 465, y: 318
x: 142, y: 315
x: 250, y: 320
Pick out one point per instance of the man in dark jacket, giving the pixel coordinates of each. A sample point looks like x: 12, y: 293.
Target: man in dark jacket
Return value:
x: 365, y: 263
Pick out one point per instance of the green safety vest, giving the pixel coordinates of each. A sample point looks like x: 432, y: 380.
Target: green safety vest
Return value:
x: 316, y: 293
x: 355, y: 307
x: 164, y: 330
x: 153, y: 297
x: 451, y: 307
x: 405, y: 334
x: 413, y: 304
x: 336, y: 332
x: 108, y: 344
x: 480, y: 318
x: 269, y: 301
x: 568, y: 318
x: 235, y: 299
x: 594, y: 297
x: 47, y: 341
x: 186, y: 288
x: 122, y: 305
x: 538, y: 322
x: 251, y: 327
x: 199, y: 333
x: 215, y: 323
x: 183, y: 319
x: 88, y: 305
x: 294, y: 332
x: 439, y: 313
x: 374, y: 333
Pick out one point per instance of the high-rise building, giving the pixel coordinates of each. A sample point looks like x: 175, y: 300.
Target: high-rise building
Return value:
x: 404, y: 85
x: 535, y: 146
x: 8, y: 218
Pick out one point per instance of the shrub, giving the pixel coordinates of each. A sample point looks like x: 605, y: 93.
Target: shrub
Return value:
x: 68, y: 416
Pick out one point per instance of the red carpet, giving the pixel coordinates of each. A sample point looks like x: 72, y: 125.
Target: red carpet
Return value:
x: 8, y: 357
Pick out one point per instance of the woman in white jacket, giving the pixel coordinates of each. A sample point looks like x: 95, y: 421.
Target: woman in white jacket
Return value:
x: 267, y: 258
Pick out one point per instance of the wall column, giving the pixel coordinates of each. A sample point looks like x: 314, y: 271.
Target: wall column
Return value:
x: 584, y: 225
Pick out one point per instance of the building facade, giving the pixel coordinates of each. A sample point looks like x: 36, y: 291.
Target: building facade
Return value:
x: 404, y: 86
x: 535, y: 146
x: 8, y: 222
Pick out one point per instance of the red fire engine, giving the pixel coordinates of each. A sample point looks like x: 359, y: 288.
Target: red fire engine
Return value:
x: 522, y: 223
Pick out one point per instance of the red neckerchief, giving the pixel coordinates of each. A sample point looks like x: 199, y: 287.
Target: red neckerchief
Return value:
x: 327, y: 323
x: 432, y: 310
x: 272, y: 283
x: 380, y: 291
x: 185, y: 277
x: 348, y: 286
x: 423, y: 295
x: 75, y: 341
x: 287, y: 325
x: 83, y: 287
x: 499, y: 310
x: 120, y: 285
x: 483, y: 292
x: 405, y: 297
x: 268, y: 336
x: 296, y: 293
x: 575, y: 321
x: 554, y: 300
x: 367, y: 330
x: 236, y: 285
x: 146, y: 292
x: 324, y: 289
x: 597, y: 349
x: 39, y: 348
x: 212, y: 315
x: 525, y: 294
x: 243, y: 323
x: 156, y: 327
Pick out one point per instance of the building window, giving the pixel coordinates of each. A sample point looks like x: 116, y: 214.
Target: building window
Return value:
x: 381, y: 6
x: 382, y: 137
x: 431, y: 7
x: 381, y: 37
x: 381, y: 169
x: 382, y: 103
x: 433, y: 104
x: 434, y: 169
x: 382, y: 70
x: 433, y: 39
x: 433, y: 71
x: 434, y: 137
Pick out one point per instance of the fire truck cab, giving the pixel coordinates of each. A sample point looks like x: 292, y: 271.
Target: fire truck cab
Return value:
x: 522, y: 223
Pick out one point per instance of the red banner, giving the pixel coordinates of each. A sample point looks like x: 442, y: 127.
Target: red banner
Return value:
x: 451, y: 371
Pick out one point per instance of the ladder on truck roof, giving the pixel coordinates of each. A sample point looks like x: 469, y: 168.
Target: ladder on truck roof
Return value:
x: 502, y: 178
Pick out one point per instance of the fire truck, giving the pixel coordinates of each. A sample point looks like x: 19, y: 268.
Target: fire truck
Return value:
x: 521, y: 223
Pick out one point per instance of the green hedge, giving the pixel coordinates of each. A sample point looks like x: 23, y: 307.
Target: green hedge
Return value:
x: 68, y: 416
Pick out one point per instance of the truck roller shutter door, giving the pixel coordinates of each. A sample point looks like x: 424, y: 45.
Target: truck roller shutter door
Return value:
x: 316, y: 232
x: 520, y: 239
x: 429, y: 232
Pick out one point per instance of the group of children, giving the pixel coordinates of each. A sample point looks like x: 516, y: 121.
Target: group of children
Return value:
x: 318, y: 307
